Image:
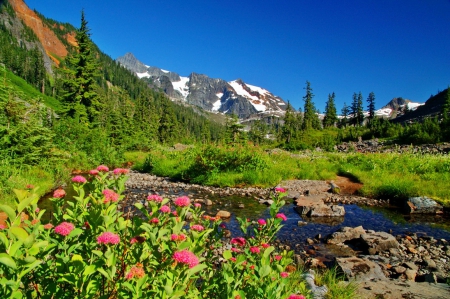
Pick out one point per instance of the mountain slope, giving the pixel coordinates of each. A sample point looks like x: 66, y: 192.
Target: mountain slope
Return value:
x: 215, y: 95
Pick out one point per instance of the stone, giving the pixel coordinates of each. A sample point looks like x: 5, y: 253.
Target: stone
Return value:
x: 345, y: 234
x: 399, y: 269
x: 410, y: 274
x: 361, y: 269
x: 430, y: 263
x: 411, y: 265
x: 422, y: 205
x: 241, y: 206
x: 223, y: 214
x: 377, y: 242
x: 208, y: 202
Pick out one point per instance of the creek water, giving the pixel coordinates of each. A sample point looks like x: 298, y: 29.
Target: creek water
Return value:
x: 374, y: 218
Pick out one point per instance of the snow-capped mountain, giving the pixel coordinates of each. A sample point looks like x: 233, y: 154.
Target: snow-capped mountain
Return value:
x: 214, y: 95
x: 396, y: 107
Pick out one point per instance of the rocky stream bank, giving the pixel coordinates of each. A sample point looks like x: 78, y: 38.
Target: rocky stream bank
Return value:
x: 385, y: 266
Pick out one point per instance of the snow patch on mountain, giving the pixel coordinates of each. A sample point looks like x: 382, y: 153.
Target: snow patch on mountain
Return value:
x: 182, y: 86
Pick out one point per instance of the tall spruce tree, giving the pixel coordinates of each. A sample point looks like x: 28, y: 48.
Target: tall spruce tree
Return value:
x: 356, y: 109
x: 345, y: 111
x: 310, y: 118
x: 330, y: 118
x: 371, y: 106
x: 80, y: 99
x: 288, y: 130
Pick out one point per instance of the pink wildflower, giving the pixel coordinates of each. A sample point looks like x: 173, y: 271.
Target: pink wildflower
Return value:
x: 155, y: 198
x: 37, y: 210
x: 135, y: 271
x: 79, y: 179
x: 265, y: 245
x: 197, y: 205
x: 64, y: 228
x: 234, y: 249
x: 186, y: 257
x: 239, y: 241
x: 120, y: 171
x: 180, y: 237
x: 2, y: 226
x: 110, y: 195
x: 278, y: 257
x: 262, y: 222
x: 103, y: 168
x: 223, y: 225
x: 93, y: 172
x: 197, y: 227
x: 255, y: 249
x: 182, y: 201
x: 108, y: 238
x: 48, y: 226
x: 165, y: 209
x: 154, y: 220
x: 59, y: 193
x: 281, y: 216
x: 284, y: 274
x: 233, y: 259
x: 280, y: 190
x: 34, y: 221
x: 29, y: 186
x: 252, y: 267
x: 293, y: 296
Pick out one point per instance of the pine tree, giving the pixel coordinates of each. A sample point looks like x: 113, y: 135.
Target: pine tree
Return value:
x: 288, y: 129
x: 233, y: 129
x: 356, y: 109
x: 310, y: 118
x: 330, y: 118
x: 371, y: 106
x: 345, y: 112
x: 81, y: 100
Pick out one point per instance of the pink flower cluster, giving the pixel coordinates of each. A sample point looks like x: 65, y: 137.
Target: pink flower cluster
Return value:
x: 255, y: 249
x: 2, y: 227
x: 293, y: 296
x: 110, y: 195
x: 64, y: 228
x: 48, y: 226
x: 102, y: 168
x: 197, y: 227
x: 262, y: 222
x: 281, y: 216
x: 154, y: 220
x: 79, y: 179
x: 182, y: 201
x: 135, y: 271
x: 108, y: 238
x: 59, y: 193
x: 155, y: 198
x: 186, y: 257
x: 93, y: 172
x: 284, y: 274
x: 280, y: 190
x: 120, y: 171
x: 238, y: 241
x: 180, y: 237
x: 164, y: 209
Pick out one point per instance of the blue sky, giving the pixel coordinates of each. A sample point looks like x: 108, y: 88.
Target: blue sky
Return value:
x: 391, y: 47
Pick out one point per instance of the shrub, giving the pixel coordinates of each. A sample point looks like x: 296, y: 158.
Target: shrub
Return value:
x: 90, y: 249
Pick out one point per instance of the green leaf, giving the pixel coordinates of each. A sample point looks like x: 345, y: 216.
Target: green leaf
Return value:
x: 89, y: 270
x: 268, y: 251
x: 4, y: 239
x: 196, y: 269
x: 227, y: 254
x: 14, y: 247
x: 104, y: 273
x: 9, y: 211
x: 76, y: 232
x: 29, y: 240
x: 264, y: 271
x: 97, y: 253
x: 19, y: 232
x: 30, y: 267
x: 6, y: 260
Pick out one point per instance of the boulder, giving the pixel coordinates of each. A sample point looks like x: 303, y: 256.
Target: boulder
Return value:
x: 345, y: 234
x: 422, y: 205
x: 360, y: 268
x: 223, y: 214
x: 376, y: 242
x: 314, y: 206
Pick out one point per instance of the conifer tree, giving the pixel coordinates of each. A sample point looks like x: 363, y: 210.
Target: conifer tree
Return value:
x: 81, y: 100
x: 289, y: 127
x: 310, y: 118
x: 330, y: 112
x: 371, y: 105
x: 357, y: 109
x: 345, y: 111
x: 233, y: 129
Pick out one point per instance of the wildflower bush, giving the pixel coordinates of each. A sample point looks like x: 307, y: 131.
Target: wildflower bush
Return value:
x: 91, y: 249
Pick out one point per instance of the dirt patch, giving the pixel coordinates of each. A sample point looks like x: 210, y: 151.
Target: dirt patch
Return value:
x: 392, y: 289
x: 347, y: 186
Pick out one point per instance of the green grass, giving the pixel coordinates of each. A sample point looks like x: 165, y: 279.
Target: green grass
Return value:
x: 337, y: 287
x: 384, y: 175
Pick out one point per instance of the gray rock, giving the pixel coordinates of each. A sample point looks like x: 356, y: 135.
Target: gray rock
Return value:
x: 411, y: 274
x: 223, y: 214
x: 345, y: 234
x: 361, y: 269
x: 377, y: 242
x: 422, y: 205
